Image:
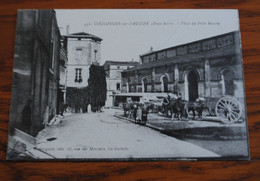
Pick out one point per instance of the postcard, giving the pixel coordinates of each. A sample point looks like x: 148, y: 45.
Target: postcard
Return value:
x: 128, y: 85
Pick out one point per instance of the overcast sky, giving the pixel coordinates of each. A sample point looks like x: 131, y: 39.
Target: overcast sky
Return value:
x: 128, y: 33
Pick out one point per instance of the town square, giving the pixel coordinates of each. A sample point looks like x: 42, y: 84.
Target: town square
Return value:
x: 97, y: 85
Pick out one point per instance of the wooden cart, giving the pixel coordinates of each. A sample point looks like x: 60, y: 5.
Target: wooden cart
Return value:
x: 227, y: 109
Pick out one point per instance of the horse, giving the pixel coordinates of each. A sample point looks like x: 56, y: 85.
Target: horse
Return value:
x: 197, y: 106
x: 178, y: 108
x: 127, y: 107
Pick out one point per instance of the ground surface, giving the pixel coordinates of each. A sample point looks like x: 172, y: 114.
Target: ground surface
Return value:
x: 227, y: 140
x: 101, y: 135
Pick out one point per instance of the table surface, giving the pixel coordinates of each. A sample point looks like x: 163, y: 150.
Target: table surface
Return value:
x: 182, y: 170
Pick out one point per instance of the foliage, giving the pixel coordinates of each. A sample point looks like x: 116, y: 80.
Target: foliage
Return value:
x: 94, y: 94
x: 97, y: 87
x: 77, y: 98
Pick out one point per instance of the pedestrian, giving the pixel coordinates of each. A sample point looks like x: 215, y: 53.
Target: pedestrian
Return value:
x: 46, y: 116
x: 135, y: 112
x: 139, y: 114
x: 144, y: 115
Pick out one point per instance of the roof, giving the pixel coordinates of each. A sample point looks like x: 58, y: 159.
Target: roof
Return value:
x: 147, y: 53
x: 83, y: 35
x: 125, y: 63
x: 186, y: 58
x: 188, y: 43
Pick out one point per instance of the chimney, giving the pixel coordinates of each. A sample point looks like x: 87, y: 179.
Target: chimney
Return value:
x: 151, y: 49
x: 67, y: 29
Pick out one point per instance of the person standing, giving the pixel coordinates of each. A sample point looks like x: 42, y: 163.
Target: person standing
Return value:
x: 144, y: 115
x: 135, y: 112
x: 139, y: 114
x: 46, y: 116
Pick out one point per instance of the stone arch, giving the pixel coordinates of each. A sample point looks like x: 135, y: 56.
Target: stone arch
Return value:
x: 187, y: 70
x: 191, y: 79
x: 165, y: 79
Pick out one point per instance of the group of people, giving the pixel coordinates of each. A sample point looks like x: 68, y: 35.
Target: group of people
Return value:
x: 140, y: 114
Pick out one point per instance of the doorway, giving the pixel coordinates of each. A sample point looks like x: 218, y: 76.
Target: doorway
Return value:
x: 165, y: 84
x: 193, y: 85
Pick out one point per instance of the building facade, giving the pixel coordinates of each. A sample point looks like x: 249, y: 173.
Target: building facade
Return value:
x: 113, y: 77
x: 83, y: 50
x: 63, y: 61
x: 36, y: 70
x: 210, y: 67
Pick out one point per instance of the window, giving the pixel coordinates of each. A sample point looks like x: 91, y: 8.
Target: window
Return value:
x: 118, y: 75
x: 79, y: 54
x: 78, y: 77
x: 118, y: 86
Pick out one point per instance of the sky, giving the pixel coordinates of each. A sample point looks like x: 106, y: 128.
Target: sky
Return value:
x: 127, y: 34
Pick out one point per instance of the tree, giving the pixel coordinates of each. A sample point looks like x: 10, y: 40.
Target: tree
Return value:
x: 77, y: 98
x: 97, y: 87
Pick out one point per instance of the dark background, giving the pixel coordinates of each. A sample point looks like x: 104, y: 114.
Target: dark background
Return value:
x: 182, y: 170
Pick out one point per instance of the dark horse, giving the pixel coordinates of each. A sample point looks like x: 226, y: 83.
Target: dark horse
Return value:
x: 180, y: 108
x: 177, y: 107
x: 197, y: 106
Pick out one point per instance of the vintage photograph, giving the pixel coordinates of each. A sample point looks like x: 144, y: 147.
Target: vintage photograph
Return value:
x: 128, y: 85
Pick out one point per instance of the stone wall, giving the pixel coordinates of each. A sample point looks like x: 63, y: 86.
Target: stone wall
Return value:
x: 212, y: 60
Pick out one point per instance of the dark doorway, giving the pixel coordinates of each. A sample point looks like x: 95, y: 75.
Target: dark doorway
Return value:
x: 193, y: 86
x: 118, y: 86
x: 145, y: 84
x: 165, y: 84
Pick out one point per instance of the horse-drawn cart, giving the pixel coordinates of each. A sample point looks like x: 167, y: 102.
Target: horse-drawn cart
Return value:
x: 227, y: 109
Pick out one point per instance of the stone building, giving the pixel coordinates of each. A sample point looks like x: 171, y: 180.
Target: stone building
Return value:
x: 113, y: 77
x: 210, y: 67
x: 83, y: 50
x: 35, y: 71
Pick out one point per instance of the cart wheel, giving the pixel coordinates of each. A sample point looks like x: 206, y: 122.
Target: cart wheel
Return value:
x: 228, y: 109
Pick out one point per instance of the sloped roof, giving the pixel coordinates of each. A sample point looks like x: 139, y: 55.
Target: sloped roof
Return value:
x: 83, y: 35
x: 125, y: 63
x: 147, y: 53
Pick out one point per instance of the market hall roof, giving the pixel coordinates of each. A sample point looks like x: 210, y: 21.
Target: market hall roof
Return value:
x: 193, y: 56
x: 83, y: 35
x: 151, y: 51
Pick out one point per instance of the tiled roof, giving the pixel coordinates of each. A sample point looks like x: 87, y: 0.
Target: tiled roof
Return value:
x: 224, y: 51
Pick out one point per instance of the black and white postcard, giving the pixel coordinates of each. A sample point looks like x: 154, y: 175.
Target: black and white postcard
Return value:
x: 128, y: 85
